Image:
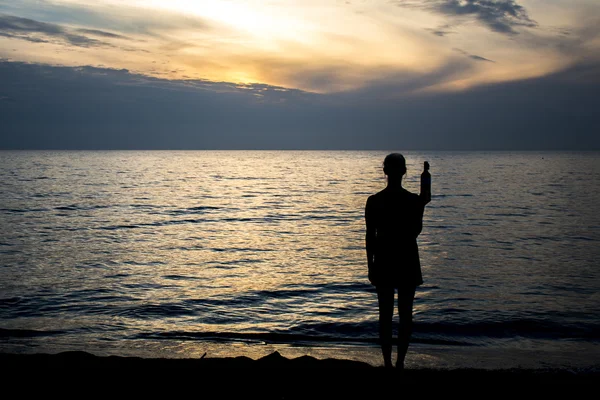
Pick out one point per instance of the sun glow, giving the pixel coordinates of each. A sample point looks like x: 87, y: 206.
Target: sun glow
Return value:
x: 254, y: 19
x: 313, y: 45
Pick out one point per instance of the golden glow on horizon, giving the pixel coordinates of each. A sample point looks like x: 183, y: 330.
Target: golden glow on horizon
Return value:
x: 314, y: 45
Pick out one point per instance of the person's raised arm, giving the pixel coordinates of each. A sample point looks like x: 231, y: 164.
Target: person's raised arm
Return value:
x: 417, y: 216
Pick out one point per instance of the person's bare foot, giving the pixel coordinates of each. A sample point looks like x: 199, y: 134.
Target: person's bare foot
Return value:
x: 400, y: 365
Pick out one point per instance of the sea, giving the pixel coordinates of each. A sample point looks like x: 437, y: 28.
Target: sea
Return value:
x: 190, y: 254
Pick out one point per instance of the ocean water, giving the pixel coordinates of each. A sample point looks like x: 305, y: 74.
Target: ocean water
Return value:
x: 181, y: 253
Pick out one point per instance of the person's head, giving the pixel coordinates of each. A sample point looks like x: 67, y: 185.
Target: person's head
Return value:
x: 394, y: 165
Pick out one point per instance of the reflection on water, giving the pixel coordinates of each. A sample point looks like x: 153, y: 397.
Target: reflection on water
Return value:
x: 232, y: 245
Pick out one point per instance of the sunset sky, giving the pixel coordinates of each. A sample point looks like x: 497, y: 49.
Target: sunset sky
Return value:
x: 335, y: 53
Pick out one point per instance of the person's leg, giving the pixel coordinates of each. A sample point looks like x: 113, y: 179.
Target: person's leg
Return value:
x: 385, y: 296
x: 405, y: 314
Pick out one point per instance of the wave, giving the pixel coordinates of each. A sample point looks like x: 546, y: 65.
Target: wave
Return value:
x: 26, y: 333
x: 21, y: 210
x: 260, y: 220
x: 154, y: 224
x: 192, y: 210
x: 278, y: 338
x: 75, y: 207
x: 148, y: 311
x: 457, y: 333
x: 532, y: 328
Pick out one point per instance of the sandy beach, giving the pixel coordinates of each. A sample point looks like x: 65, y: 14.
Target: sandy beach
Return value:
x: 324, y: 373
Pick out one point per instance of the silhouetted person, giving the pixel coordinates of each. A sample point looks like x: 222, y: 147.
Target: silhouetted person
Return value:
x: 394, y: 219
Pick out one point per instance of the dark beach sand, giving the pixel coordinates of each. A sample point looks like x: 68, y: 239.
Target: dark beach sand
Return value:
x: 308, y: 376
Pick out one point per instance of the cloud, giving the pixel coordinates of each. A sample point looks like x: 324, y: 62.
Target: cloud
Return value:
x: 391, y: 85
x: 99, y: 17
x: 337, y: 58
x: 441, y: 31
x: 96, y: 32
x: 502, y: 16
x: 473, y: 56
x: 45, y: 107
x: 479, y: 58
x: 108, y: 29
x: 24, y: 37
x: 40, y: 32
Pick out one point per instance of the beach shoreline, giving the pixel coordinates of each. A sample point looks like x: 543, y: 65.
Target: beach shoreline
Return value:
x: 304, y: 367
x: 535, y: 357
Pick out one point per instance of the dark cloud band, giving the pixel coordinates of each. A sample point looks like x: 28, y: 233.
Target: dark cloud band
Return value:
x: 36, y: 31
x: 502, y: 16
x: 47, y: 107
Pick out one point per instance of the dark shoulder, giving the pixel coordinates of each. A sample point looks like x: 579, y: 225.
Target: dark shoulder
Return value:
x: 402, y: 196
x: 375, y: 198
x: 402, y: 193
x: 373, y: 203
